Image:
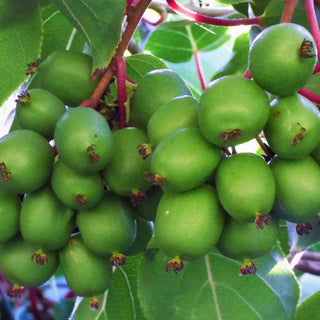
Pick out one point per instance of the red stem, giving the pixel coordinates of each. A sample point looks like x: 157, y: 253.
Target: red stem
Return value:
x: 199, y: 69
x: 156, y: 23
x: 122, y: 93
x: 313, y: 22
x: 310, y: 95
x: 212, y: 20
x: 317, y: 68
x: 247, y: 74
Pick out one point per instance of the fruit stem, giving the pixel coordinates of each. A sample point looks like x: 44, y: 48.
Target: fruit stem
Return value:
x: 199, y: 69
x: 181, y: 10
x: 265, y: 148
x: 313, y: 22
x: 122, y: 92
x: 288, y: 11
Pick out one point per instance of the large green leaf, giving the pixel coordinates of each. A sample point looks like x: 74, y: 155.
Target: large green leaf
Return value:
x: 100, y: 22
x: 58, y: 32
x: 211, y: 288
x: 177, y: 41
x: 20, y: 41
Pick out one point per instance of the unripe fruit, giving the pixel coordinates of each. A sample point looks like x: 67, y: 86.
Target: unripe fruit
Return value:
x: 74, y: 189
x: 282, y: 58
x: 84, y: 140
x: 39, y: 110
x: 178, y: 113
x: 44, y: 220
x: 246, y: 187
x: 293, y: 128
x: 297, y: 189
x: 155, y: 88
x: 15, y: 263
x: 108, y: 229
x: 243, y: 241
x: 183, y: 160
x: 232, y: 110
x: 67, y: 75
x: 86, y: 273
x: 10, y: 206
x: 26, y: 161
x: 125, y: 173
x: 188, y: 224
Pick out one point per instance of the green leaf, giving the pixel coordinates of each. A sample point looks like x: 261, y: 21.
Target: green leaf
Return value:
x: 313, y: 83
x: 20, y: 40
x: 100, y: 22
x: 211, y: 288
x: 273, y: 13
x: 309, y: 308
x: 58, y: 32
x: 258, y: 6
x: 239, y: 60
x: 176, y: 41
x: 140, y: 64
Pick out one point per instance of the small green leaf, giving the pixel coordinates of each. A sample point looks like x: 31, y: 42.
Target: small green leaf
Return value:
x: 140, y: 64
x: 211, y: 288
x: 177, y: 41
x: 100, y: 23
x: 20, y: 40
x: 309, y: 308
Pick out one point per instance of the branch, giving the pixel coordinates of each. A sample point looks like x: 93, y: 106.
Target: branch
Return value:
x: 308, y: 262
x: 310, y: 95
x: 288, y: 11
x: 181, y: 10
x: 134, y: 15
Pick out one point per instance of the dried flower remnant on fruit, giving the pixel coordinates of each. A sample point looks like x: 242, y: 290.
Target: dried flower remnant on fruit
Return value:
x: 137, y: 198
x: 32, y: 67
x: 117, y: 259
x: 175, y: 265
x: 94, y: 158
x: 144, y: 150
x: 6, y: 175
x: 227, y: 136
x: 16, y: 291
x: 39, y: 257
x: 94, y: 304
x: 299, y: 136
x: 306, y: 49
x: 23, y: 98
x: 262, y: 220
x: 82, y: 200
x: 303, y: 228
x: 154, y: 178
x: 247, y: 268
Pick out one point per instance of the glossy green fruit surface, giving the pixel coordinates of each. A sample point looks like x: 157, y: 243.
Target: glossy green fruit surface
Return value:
x: 109, y: 227
x: 125, y: 173
x: 10, y: 206
x: 44, y: 220
x: 184, y: 159
x: 74, y: 189
x: 16, y: 263
x: 242, y: 240
x: 39, y: 110
x: 86, y: 273
x: 26, y: 161
x: 232, y: 110
x: 188, y: 224
x: 67, y: 75
x: 155, y: 88
x: 84, y: 140
x: 245, y: 186
x: 178, y: 113
x: 293, y: 128
x: 276, y: 59
x: 297, y: 189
